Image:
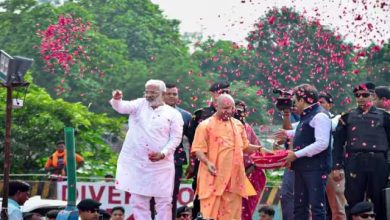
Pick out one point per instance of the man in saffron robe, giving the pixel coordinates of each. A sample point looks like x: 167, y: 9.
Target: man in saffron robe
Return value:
x: 219, y: 144
x: 57, y: 161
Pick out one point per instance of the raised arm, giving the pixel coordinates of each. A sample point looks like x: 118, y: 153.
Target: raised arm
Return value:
x: 123, y: 107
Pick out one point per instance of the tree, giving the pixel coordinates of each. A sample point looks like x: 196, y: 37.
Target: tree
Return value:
x: 147, y: 46
x: 284, y: 49
x: 152, y: 40
x: 377, y: 63
x: 256, y: 104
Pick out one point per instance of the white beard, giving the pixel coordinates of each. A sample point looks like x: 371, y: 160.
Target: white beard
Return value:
x: 157, y: 102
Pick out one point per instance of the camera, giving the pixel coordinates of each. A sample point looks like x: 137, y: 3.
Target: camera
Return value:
x: 284, y: 100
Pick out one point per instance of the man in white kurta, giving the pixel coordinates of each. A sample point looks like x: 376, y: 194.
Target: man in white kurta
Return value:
x: 145, y: 165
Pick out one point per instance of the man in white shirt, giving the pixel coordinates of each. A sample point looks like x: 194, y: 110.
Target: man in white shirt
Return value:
x: 311, y: 155
x: 145, y: 165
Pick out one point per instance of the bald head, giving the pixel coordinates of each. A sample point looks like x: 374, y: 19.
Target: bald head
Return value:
x: 225, y: 107
x: 225, y: 98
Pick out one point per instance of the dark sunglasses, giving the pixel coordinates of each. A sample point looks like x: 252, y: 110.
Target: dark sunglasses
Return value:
x: 93, y: 210
x: 367, y: 215
x: 364, y: 95
x: 223, y: 91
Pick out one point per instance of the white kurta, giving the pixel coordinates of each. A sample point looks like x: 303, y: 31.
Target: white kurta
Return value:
x: 150, y: 130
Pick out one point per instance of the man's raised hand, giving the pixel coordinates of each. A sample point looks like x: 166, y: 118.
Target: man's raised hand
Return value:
x: 117, y: 94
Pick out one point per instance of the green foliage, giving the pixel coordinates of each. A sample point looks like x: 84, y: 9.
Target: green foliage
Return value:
x: 377, y: 64
x: 256, y: 104
x: 140, y: 23
x: 284, y: 50
x: 132, y: 42
x: 40, y: 123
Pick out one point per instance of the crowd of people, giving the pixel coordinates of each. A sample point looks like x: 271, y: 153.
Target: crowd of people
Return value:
x: 322, y: 151
x: 88, y: 209
x: 336, y: 165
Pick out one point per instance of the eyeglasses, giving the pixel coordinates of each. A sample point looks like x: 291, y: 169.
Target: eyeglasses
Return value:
x: 223, y: 91
x: 151, y: 92
x: 365, y: 215
x: 364, y: 95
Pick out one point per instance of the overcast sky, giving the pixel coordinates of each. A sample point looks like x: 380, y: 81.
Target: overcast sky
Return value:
x: 233, y: 19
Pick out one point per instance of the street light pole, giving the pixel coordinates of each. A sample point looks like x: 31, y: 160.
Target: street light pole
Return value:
x: 7, y: 154
x: 12, y: 70
x: 7, y: 147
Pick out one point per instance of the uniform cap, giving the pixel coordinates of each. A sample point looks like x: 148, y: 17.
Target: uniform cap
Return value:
x: 182, y: 210
x: 88, y: 204
x: 362, y: 207
x: 218, y: 86
x: 367, y: 86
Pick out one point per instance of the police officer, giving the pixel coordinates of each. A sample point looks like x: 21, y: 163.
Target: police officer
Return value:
x: 363, y: 210
x: 365, y: 133
x: 199, y: 115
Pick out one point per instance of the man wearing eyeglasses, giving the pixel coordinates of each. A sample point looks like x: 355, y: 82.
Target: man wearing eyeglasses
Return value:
x: 363, y: 210
x: 365, y: 134
x: 145, y: 165
x: 216, y: 89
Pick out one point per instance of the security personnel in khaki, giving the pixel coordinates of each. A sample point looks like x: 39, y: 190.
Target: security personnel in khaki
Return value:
x: 365, y: 133
x: 199, y: 115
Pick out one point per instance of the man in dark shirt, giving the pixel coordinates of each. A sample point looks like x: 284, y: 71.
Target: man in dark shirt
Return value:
x: 199, y: 115
x: 171, y: 97
x: 365, y: 133
x: 382, y: 97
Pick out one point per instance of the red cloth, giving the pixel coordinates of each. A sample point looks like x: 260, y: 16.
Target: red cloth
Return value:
x: 270, y: 161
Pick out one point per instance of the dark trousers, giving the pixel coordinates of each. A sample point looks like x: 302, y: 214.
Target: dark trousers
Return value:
x: 196, y: 202
x: 287, y: 195
x: 176, y: 187
x: 366, y: 175
x: 309, y: 188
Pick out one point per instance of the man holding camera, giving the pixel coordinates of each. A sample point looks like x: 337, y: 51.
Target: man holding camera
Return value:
x: 290, y: 120
x: 311, y: 155
x: 364, y: 135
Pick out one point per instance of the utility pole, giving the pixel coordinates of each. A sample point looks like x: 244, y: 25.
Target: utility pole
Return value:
x: 7, y: 146
x: 12, y: 70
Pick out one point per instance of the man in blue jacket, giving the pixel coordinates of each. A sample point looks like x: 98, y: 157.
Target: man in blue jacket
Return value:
x: 310, y: 157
